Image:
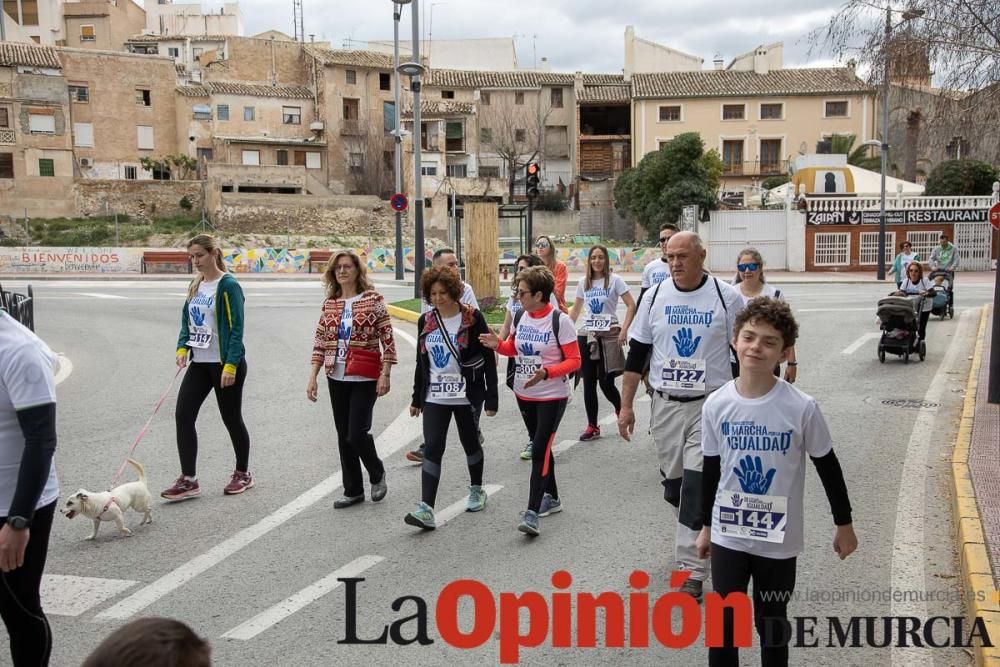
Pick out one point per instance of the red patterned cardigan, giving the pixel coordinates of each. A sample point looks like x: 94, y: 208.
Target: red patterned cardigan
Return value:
x: 371, y: 324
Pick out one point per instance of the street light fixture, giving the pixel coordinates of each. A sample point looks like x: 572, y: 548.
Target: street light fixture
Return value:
x: 414, y: 70
x: 908, y: 15
x: 397, y: 10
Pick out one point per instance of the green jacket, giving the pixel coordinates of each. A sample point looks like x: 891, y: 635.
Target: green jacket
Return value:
x: 228, y: 323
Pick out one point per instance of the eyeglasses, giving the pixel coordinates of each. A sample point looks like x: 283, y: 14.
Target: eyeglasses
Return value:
x: 343, y: 268
x: 522, y: 292
x: 542, y: 244
x: 664, y: 239
x: 749, y: 266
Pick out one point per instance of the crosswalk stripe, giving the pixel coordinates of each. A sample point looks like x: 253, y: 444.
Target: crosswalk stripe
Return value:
x: 101, y: 295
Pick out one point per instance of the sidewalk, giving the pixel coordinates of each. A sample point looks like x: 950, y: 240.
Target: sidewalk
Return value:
x: 976, y: 484
x: 632, y: 279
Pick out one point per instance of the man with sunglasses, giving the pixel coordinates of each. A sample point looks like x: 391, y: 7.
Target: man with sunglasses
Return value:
x: 658, y: 270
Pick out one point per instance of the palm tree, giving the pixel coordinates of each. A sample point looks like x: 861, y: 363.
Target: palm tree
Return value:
x: 859, y: 157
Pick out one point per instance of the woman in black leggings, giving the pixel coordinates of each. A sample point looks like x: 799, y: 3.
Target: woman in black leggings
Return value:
x: 212, y: 334
x: 454, y: 372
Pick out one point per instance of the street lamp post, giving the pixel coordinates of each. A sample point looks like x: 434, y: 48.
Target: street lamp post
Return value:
x: 397, y: 10
x: 414, y: 69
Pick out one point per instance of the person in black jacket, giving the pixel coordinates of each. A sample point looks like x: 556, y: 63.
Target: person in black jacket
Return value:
x: 454, y: 372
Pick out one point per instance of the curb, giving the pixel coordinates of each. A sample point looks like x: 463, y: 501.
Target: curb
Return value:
x: 977, y: 573
x: 402, y: 313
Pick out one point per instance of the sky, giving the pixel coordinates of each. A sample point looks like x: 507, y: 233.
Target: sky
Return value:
x: 586, y: 35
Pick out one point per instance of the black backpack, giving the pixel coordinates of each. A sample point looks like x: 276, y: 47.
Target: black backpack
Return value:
x: 512, y: 362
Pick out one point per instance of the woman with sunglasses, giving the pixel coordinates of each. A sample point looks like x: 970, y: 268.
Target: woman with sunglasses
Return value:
x: 914, y: 284
x: 902, y: 261
x: 353, y: 326
x: 546, y: 251
x: 750, y: 284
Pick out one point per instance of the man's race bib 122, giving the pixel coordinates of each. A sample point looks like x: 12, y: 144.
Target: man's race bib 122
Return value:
x: 683, y: 374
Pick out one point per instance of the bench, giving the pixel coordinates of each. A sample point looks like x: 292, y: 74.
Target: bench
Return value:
x: 319, y: 256
x: 166, y: 261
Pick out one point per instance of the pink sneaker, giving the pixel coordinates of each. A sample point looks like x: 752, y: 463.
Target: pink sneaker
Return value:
x: 240, y: 482
x: 590, y: 433
x: 182, y: 489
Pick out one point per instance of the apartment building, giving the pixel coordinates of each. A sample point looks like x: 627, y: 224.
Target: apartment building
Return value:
x: 32, y: 21
x: 756, y: 119
x: 164, y: 17
x: 123, y: 108
x: 36, y: 150
x: 102, y: 25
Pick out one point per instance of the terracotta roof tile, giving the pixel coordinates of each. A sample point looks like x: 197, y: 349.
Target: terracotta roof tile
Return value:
x: 603, y: 79
x: 357, y: 58
x: 174, y: 38
x: 440, y: 108
x: 15, y: 53
x: 604, y: 94
x: 456, y: 78
x: 258, y: 90
x: 193, y: 90
x: 731, y: 83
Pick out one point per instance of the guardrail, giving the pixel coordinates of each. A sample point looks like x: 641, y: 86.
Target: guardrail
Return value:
x: 19, y: 306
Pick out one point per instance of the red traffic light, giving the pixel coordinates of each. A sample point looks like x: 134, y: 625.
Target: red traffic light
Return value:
x: 532, y: 168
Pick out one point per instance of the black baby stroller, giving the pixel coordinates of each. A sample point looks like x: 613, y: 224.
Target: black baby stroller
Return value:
x: 900, y: 318
x: 944, y: 298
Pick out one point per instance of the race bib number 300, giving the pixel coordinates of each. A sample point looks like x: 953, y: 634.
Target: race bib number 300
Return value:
x: 683, y: 374
x: 528, y: 366
x: 752, y: 517
x: 446, y: 386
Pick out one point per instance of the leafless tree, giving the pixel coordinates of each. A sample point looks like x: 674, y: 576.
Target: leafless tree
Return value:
x: 371, y: 160
x: 956, y: 42
x: 515, y: 133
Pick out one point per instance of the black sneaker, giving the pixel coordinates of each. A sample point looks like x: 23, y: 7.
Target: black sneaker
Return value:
x: 692, y: 587
x: 347, y: 501
x: 417, y: 455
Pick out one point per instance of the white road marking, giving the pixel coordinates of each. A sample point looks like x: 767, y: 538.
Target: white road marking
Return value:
x: 398, y: 435
x: 836, y: 310
x: 458, y: 508
x: 862, y: 339
x: 908, y: 537
x: 405, y: 336
x: 563, y: 446
x: 277, y: 613
x: 65, y: 595
x: 101, y: 295
x: 609, y: 419
x: 65, y: 368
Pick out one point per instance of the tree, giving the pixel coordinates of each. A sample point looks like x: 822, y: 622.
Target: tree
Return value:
x: 681, y: 173
x: 513, y: 132
x: 843, y: 144
x: 956, y: 41
x: 961, y: 177
x: 371, y: 161
x: 165, y: 168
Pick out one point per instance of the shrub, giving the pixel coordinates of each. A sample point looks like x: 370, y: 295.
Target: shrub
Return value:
x: 961, y: 177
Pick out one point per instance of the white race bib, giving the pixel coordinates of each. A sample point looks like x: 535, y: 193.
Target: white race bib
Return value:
x: 683, y: 374
x: 341, y: 352
x: 200, y: 337
x: 446, y: 386
x: 752, y: 517
x: 528, y: 366
x: 598, y: 323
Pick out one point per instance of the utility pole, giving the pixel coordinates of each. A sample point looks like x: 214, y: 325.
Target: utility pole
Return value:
x: 418, y: 191
x: 397, y: 11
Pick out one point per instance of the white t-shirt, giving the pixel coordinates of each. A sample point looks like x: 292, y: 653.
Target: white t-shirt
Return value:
x: 768, y: 290
x: 905, y: 259
x: 763, y: 444
x: 27, y: 370
x: 600, y: 303
x: 655, y: 272
x: 690, y: 333
x: 343, y: 342
x: 202, y: 335
x: 447, y: 386
x: 915, y: 288
x: 468, y: 297
x: 537, y: 348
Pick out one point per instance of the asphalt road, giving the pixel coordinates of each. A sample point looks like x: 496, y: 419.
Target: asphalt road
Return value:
x: 254, y: 573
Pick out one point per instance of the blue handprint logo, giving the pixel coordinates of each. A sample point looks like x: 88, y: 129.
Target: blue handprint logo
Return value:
x: 527, y: 349
x: 197, y: 316
x: 737, y: 500
x: 440, y: 356
x: 752, y: 477
x: 686, y: 343
x: 344, y: 331
x: 596, y: 306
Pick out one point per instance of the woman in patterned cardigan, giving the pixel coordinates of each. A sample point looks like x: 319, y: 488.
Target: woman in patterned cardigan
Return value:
x: 354, y: 318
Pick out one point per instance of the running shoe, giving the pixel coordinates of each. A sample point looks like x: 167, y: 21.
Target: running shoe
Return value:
x: 477, y: 499
x: 590, y: 433
x: 422, y: 517
x: 182, y: 489
x: 379, y: 490
x: 692, y: 587
x: 240, y: 482
x: 529, y: 523
x: 526, y: 452
x: 549, y: 505
x: 346, y: 501
x: 417, y: 455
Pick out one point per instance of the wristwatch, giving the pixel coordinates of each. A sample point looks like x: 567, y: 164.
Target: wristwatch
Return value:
x: 18, y: 522
x: 793, y: 363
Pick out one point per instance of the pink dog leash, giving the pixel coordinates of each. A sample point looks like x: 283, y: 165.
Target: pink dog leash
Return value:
x: 142, y: 433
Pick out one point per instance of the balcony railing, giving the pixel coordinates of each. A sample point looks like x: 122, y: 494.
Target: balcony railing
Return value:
x: 7, y: 137
x: 755, y: 168
x: 350, y: 127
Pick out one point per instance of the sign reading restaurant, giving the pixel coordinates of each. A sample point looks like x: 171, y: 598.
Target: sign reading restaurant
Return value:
x: 897, y: 217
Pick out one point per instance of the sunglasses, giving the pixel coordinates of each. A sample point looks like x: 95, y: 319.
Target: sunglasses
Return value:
x: 749, y: 266
x: 522, y: 293
x: 542, y: 244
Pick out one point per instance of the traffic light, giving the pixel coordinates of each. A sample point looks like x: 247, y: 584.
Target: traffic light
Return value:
x: 531, y: 184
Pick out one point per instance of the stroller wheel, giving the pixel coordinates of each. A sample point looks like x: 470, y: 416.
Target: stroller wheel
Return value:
x: 922, y: 350
x: 881, y: 354
x: 906, y: 357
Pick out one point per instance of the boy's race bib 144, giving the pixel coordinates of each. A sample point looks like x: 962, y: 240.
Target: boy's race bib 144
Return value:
x: 751, y: 516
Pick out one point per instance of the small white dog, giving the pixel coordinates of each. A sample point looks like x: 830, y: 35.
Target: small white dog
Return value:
x: 111, y: 505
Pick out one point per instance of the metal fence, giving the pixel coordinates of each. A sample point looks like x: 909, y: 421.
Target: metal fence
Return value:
x: 20, y: 306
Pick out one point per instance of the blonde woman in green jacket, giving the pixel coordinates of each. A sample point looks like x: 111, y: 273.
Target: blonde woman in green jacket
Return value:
x: 212, y: 334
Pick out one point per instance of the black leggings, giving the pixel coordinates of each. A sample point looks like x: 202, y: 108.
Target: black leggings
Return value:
x: 922, y: 329
x: 774, y: 578
x: 20, y: 604
x: 542, y: 419
x: 437, y: 419
x: 353, y: 403
x: 592, y: 376
x: 199, y: 380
